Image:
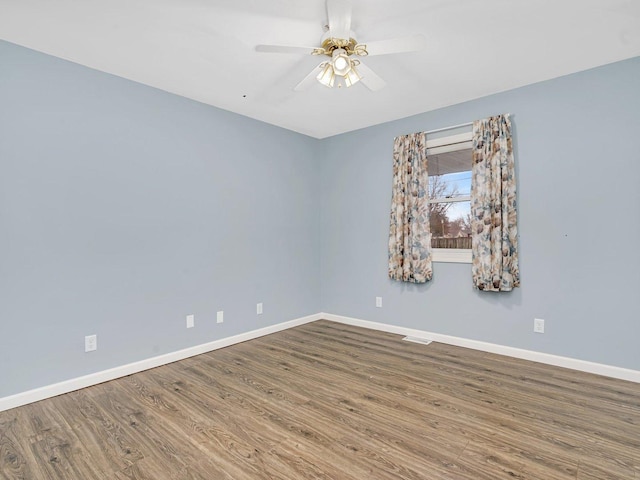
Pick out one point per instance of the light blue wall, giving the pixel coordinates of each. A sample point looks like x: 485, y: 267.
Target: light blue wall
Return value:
x: 124, y: 208
x: 578, y: 165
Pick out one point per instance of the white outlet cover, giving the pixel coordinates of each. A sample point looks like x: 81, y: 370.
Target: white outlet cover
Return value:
x: 538, y: 325
x: 90, y: 343
x: 191, y: 321
x: 220, y: 317
x: 379, y: 302
x: 259, y: 308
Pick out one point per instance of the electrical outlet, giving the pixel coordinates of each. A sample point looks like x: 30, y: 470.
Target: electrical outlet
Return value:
x: 378, y: 302
x: 90, y: 343
x: 259, y: 308
x: 191, y: 321
x: 538, y: 325
x: 220, y: 317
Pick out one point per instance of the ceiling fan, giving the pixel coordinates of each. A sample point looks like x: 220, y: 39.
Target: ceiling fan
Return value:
x: 340, y: 45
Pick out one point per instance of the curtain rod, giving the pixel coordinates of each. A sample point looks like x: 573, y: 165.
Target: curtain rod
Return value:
x: 449, y: 128
x: 454, y: 126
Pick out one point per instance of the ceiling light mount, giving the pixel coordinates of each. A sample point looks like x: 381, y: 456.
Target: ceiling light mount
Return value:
x: 331, y: 44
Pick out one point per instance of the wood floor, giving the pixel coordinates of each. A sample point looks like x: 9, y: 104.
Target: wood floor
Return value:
x: 329, y: 401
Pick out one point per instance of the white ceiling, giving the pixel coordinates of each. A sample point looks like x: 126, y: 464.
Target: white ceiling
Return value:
x: 204, y: 50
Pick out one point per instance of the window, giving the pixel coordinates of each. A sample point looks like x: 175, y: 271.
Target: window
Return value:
x: 449, y: 160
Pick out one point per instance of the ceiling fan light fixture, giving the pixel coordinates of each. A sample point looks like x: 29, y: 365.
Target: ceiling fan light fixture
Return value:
x: 352, y: 77
x: 327, y: 76
x: 341, y: 62
x: 339, y: 44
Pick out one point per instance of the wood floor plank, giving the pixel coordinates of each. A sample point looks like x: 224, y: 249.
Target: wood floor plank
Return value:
x: 252, y: 401
x: 217, y: 428
x: 16, y: 460
x: 452, y: 410
x: 391, y: 409
x: 153, y: 422
x: 333, y: 401
x: 556, y: 415
x: 103, y: 438
x: 361, y: 413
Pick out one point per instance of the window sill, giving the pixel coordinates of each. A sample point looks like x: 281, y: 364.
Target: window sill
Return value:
x: 450, y: 255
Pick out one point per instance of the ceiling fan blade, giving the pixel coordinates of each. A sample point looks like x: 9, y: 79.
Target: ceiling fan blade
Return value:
x: 309, y: 79
x: 339, y: 13
x: 370, y: 79
x: 284, y: 49
x: 396, y: 45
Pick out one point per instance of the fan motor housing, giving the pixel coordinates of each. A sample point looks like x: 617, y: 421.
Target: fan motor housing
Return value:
x: 329, y: 44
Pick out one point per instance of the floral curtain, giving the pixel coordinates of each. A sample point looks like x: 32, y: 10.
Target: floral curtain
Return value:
x: 494, y: 234
x: 409, y: 236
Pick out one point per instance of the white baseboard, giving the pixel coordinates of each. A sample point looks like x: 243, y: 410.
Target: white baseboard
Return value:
x: 558, y: 361
x: 49, y: 391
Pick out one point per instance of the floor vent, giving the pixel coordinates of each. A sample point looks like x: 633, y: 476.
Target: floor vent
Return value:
x: 423, y: 341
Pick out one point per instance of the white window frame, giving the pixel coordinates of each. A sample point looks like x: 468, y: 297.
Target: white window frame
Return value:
x: 451, y: 143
